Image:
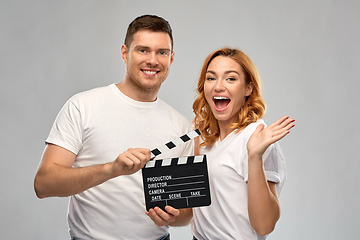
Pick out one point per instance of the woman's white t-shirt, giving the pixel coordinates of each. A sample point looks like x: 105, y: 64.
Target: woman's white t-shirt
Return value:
x: 227, y: 216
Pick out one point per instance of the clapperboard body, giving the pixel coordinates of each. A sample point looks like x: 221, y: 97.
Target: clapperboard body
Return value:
x: 178, y: 182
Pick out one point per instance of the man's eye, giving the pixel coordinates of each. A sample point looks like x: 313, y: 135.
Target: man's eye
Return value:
x: 142, y: 50
x: 163, y: 53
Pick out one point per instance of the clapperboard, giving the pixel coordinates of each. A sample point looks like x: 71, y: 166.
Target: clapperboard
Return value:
x: 178, y: 182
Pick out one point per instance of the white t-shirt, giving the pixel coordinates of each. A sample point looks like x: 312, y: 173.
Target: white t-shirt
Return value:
x: 97, y: 126
x: 227, y: 216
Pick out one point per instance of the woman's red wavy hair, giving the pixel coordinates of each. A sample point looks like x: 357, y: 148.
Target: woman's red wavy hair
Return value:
x: 253, y: 109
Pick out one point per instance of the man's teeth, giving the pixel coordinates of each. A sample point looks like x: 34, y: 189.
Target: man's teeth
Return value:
x: 150, y: 72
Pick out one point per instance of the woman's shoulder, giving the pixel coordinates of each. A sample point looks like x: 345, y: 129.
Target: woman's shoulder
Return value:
x: 258, y: 122
x: 249, y: 129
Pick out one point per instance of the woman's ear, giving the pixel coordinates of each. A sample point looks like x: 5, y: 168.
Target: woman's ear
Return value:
x: 249, y: 89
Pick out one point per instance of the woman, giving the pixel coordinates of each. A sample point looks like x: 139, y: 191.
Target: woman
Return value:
x: 245, y: 163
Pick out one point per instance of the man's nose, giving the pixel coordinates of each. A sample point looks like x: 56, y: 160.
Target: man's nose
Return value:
x: 152, y: 59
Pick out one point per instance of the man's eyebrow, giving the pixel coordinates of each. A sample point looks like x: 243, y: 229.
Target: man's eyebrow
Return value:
x: 146, y: 47
x: 165, y: 49
x: 141, y: 46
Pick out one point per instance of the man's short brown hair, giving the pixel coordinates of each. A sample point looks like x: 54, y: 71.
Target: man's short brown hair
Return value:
x: 148, y: 22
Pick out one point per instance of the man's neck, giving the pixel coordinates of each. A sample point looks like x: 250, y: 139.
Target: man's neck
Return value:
x: 135, y: 93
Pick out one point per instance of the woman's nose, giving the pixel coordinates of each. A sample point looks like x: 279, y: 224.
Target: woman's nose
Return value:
x: 219, y: 85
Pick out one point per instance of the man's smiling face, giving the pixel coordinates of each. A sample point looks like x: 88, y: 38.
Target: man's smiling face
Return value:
x: 148, y: 60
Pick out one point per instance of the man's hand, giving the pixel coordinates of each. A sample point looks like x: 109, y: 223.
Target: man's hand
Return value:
x: 262, y: 138
x: 130, y: 161
x: 161, y: 217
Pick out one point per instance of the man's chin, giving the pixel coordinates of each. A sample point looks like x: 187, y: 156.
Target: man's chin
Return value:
x: 150, y: 86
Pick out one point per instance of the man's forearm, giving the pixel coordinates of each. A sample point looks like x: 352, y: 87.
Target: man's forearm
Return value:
x: 56, y: 177
x: 60, y: 181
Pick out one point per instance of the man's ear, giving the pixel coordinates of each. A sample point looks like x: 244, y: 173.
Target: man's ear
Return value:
x: 124, y: 53
x: 172, y: 57
x: 249, y: 88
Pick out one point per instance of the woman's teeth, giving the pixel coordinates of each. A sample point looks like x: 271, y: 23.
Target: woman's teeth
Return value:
x: 224, y: 100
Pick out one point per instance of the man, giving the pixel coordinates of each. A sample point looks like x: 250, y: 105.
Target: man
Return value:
x: 81, y: 158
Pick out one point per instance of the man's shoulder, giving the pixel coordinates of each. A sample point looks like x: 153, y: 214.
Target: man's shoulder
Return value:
x: 96, y: 90
x: 172, y: 111
x: 92, y: 94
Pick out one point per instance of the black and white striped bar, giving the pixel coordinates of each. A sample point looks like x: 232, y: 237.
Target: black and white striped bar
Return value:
x: 184, y: 138
x: 175, y: 161
x: 178, y: 182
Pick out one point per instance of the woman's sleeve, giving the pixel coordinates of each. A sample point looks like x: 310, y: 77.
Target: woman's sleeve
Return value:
x: 274, y: 165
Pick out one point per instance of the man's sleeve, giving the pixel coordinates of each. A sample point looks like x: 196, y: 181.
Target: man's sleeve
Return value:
x: 66, y: 131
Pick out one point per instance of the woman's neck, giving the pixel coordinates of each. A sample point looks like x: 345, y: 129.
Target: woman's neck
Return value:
x: 224, y: 131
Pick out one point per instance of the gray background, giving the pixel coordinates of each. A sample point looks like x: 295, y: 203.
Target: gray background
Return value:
x: 307, y: 53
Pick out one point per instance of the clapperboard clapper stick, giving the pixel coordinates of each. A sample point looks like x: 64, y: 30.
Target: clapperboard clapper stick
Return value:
x: 178, y: 182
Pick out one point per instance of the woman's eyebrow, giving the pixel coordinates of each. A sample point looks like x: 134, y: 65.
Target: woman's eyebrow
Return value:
x: 226, y: 72
x: 232, y: 71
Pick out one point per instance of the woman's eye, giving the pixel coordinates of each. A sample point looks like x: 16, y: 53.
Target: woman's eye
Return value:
x: 210, y: 78
x: 231, y: 79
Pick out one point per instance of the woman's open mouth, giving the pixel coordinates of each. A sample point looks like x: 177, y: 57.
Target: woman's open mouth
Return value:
x: 221, y: 103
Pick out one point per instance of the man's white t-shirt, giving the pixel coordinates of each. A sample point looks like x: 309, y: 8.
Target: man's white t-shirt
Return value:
x: 97, y: 126
x: 227, y: 216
